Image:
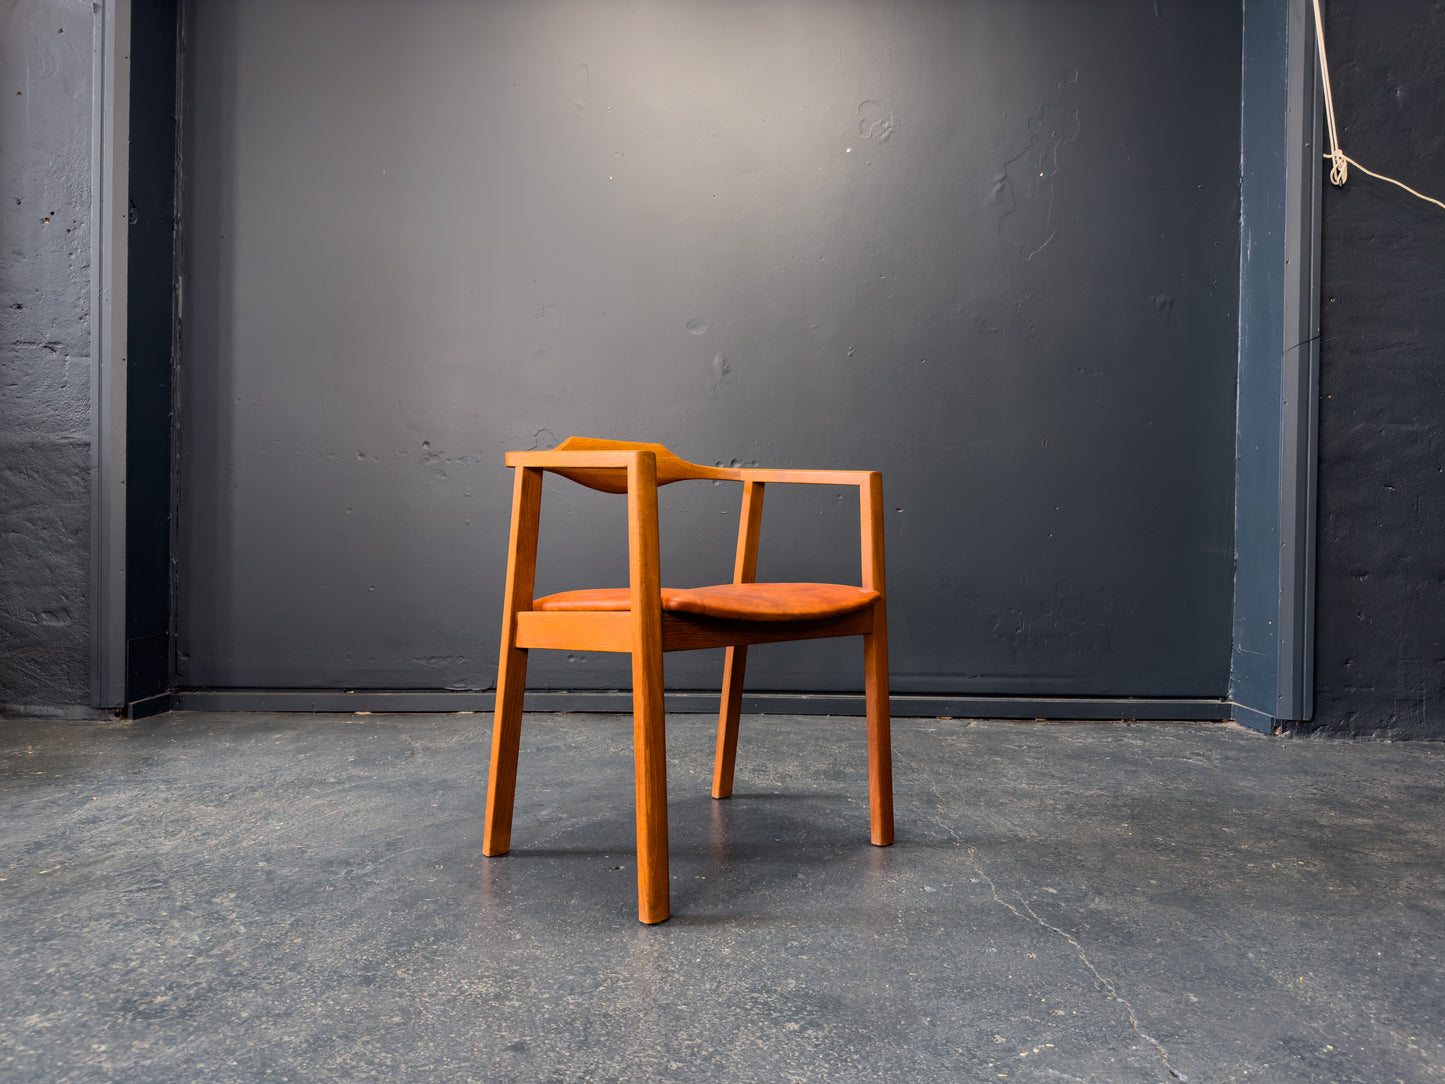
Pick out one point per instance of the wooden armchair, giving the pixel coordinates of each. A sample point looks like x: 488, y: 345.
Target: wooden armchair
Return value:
x: 646, y: 619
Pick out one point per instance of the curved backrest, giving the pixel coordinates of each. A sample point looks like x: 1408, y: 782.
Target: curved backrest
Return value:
x: 670, y: 468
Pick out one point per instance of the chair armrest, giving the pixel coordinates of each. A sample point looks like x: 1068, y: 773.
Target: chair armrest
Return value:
x: 597, y: 463
x: 551, y: 460
x: 802, y: 477
x: 870, y: 515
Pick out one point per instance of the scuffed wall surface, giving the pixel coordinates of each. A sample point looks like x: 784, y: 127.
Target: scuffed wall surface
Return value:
x: 45, y: 161
x: 1380, y: 633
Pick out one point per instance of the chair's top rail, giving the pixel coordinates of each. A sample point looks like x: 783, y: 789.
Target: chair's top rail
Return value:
x: 602, y: 464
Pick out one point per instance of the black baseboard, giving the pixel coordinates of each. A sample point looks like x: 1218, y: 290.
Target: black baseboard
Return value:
x: 150, y: 705
x: 902, y: 705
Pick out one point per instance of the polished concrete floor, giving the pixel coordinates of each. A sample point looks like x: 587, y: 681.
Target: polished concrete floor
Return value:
x: 302, y: 897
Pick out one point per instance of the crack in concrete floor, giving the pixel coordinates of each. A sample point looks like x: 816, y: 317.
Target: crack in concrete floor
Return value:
x: 1099, y: 978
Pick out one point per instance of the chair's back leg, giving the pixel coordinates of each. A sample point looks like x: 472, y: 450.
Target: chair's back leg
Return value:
x: 875, y: 665
x: 880, y: 746
x: 727, y: 721
x: 512, y: 666
x: 745, y: 570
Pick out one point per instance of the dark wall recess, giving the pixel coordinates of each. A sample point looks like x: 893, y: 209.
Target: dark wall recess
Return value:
x: 149, y: 347
x: 1380, y: 641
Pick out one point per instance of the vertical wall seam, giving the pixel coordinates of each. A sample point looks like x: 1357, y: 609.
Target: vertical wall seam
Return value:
x: 177, y: 301
x: 97, y: 183
x: 1239, y: 349
x: 1299, y: 386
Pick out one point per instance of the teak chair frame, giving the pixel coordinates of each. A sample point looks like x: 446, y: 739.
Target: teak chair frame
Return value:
x: 646, y: 630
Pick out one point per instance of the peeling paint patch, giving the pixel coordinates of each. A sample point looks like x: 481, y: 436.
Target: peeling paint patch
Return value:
x: 439, y: 661
x: 581, y: 87
x: 1024, y: 189
x: 1047, y: 242
x: 438, y: 461
x: 876, y: 121
x: 1064, y: 625
x: 720, y: 371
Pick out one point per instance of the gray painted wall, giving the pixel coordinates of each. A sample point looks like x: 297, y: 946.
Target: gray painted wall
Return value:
x: 1380, y: 639
x: 989, y: 249
x: 45, y: 159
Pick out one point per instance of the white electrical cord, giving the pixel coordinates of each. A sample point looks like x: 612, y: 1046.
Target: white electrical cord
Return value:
x: 1339, y: 161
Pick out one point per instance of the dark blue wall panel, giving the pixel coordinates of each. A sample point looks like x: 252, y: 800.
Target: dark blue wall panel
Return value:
x: 1278, y: 333
x: 1261, y: 346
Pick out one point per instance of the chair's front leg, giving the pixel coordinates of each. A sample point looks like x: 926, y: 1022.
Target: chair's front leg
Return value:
x: 649, y: 741
x: 512, y: 665
x: 875, y: 663
x: 506, y: 740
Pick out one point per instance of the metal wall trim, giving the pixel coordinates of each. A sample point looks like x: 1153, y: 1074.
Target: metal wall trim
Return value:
x: 1299, y: 407
x: 1272, y: 666
x: 110, y: 224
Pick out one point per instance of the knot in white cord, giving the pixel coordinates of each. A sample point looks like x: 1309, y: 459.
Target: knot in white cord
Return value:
x: 1339, y: 164
x: 1339, y: 167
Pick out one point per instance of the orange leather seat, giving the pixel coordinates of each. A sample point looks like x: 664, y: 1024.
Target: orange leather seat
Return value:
x: 728, y: 601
